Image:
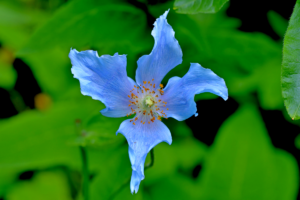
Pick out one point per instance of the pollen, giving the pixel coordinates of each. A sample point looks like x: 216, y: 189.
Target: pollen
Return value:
x: 142, y: 99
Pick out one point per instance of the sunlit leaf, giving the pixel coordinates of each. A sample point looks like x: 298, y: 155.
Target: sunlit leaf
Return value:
x: 243, y: 164
x: 35, y: 139
x: 44, y: 185
x: 290, y: 74
x: 198, y: 6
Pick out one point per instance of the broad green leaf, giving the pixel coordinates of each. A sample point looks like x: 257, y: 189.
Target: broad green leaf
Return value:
x: 183, y: 154
x: 198, y: 6
x: 290, y: 72
x: 88, y: 24
x: 114, y: 172
x: 8, y: 76
x: 37, y: 140
x: 52, y: 70
x: 243, y: 164
x: 278, y: 23
x: 107, y: 28
x: 174, y: 187
x: 46, y: 185
x: 17, y: 23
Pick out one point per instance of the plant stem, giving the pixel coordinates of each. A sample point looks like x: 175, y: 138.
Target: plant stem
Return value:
x: 85, y: 173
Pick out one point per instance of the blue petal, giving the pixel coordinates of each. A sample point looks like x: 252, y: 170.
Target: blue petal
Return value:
x: 141, y: 139
x: 179, y: 92
x: 166, y: 54
x: 103, y: 78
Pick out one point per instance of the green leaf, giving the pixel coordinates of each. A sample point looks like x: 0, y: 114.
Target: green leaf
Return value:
x: 198, y: 6
x: 36, y: 140
x: 290, y: 74
x: 183, y: 154
x: 8, y: 76
x: 107, y: 28
x: 278, y: 23
x: 88, y: 24
x: 17, y: 23
x: 243, y: 164
x: 44, y: 185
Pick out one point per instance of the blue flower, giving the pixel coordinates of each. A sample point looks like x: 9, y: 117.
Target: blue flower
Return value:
x: 105, y: 79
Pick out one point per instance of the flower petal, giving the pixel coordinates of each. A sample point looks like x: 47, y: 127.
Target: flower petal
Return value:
x: 103, y: 78
x: 166, y: 54
x: 179, y: 92
x: 141, y: 139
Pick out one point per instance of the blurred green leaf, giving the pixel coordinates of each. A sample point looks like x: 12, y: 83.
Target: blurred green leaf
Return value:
x: 44, y: 185
x: 243, y: 164
x: 183, y: 154
x: 36, y: 140
x: 297, y: 141
x: 114, y: 174
x: 175, y: 187
x: 8, y: 76
x: 96, y: 132
x: 17, y: 23
x: 52, y: 70
x: 83, y: 25
x: 88, y: 24
x: 290, y: 75
x: 198, y: 6
x: 278, y: 23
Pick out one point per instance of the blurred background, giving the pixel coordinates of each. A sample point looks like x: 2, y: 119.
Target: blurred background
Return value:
x: 246, y: 148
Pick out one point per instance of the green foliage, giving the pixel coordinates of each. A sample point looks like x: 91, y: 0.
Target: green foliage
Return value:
x: 8, y: 76
x: 291, y: 65
x: 278, y: 23
x: 45, y: 185
x: 198, y: 6
x: 243, y: 164
x: 242, y: 59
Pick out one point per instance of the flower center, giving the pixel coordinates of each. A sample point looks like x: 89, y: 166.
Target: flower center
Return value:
x: 149, y: 101
x: 145, y: 102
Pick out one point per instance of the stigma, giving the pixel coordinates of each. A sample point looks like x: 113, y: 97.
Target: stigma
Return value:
x: 145, y: 102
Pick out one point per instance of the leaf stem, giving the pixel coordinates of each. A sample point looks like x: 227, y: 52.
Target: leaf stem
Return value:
x: 85, y: 173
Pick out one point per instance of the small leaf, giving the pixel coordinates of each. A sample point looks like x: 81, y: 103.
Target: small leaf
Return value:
x: 198, y: 6
x: 278, y: 23
x: 290, y: 74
